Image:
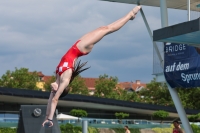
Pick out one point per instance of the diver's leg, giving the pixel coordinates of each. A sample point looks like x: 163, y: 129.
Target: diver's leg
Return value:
x: 88, y: 40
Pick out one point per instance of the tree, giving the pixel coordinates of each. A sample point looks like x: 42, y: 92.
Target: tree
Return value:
x: 128, y: 96
x: 189, y: 97
x: 78, y: 86
x: 121, y: 116
x: 104, y: 87
x: 78, y: 113
x: 193, y: 118
x: 47, y: 84
x: 20, y: 78
x: 69, y: 128
x: 107, y: 87
x: 156, y: 93
x: 161, y: 114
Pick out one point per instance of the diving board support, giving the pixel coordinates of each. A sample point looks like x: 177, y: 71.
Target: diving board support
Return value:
x: 188, y: 9
x: 173, y: 92
x: 31, y: 118
x: 84, y: 126
x: 151, y: 36
x: 180, y: 109
x: 164, y: 13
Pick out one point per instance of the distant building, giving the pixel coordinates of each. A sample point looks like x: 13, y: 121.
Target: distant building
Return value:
x: 42, y: 79
x: 132, y: 86
x: 90, y: 83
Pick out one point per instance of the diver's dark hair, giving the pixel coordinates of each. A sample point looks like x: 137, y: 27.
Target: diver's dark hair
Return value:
x: 176, y: 122
x: 77, y: 70
x: 126, y: 126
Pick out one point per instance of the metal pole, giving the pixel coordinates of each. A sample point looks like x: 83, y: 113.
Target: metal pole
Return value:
x: 164, y: 14
x: 151, y: 36
x: 84, y: 126
x: 173, y: 92
x: 188, y: 8
x: 180, y: 109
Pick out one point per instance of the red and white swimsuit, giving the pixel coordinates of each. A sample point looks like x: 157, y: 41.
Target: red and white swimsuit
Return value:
x: 67, y: 60
x: 175, y: 130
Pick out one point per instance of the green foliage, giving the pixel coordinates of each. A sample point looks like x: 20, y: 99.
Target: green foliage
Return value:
x: 161, y: 114
x: 105, y: 86
x: 156, y: 93
x: 8, y: 130
x: 162, y: 130
x: 195, y: 128
x: 68, y: 128
x: 193, y: 118
x: 121, y: 115
x: 189, y: 97
x: 92, y: 130
x: 78, y: 86
x: 121, y: 130
x: 20, y: 78
x: 47, y: 84
x: 127, y: 96
x: 78, y: 113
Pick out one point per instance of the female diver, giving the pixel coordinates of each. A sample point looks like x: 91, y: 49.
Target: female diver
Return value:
x: 67, y: 70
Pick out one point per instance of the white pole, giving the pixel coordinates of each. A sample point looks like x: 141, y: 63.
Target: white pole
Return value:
x: 84, y: 126
x: 164, y: 13
x: 188, y: 8
x: 173, y: 92
x: 151, y: 36
x: 180, y: 109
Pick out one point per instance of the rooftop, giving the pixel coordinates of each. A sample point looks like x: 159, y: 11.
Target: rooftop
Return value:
x: 174, y: 4
x: 22, y: 96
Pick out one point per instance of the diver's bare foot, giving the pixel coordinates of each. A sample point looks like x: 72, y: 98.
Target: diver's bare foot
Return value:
x: 54, y: 86
x: 134, y: 12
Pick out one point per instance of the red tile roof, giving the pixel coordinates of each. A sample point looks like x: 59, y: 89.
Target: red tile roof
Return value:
x: 40, y: 74
x: 133, y: 85
x: 90, y: 82
x: 46, y: 78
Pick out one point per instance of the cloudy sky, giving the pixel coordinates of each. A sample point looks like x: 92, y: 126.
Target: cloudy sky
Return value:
x: 36, y: 33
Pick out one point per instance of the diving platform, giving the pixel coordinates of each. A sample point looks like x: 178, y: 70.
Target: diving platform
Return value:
x: 185, y: 33
x: 174, y: 4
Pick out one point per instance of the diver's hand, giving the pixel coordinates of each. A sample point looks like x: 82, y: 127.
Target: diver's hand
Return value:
x: 48, y: 123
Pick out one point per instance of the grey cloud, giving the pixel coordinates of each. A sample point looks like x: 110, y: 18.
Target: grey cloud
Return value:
x: 35, y: 34
x: 125, y: 70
